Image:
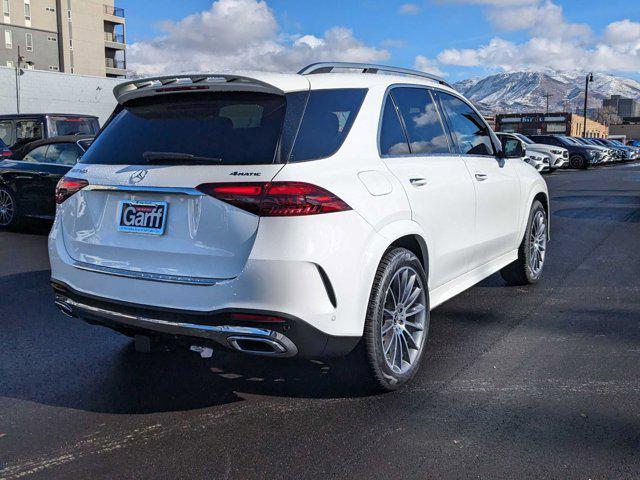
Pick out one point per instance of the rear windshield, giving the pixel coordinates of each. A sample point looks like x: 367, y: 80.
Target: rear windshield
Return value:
x: 228, y: 128
x: 59, y: 126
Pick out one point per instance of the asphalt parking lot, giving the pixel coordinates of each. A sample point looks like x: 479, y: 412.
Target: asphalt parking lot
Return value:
x: 517, y: 382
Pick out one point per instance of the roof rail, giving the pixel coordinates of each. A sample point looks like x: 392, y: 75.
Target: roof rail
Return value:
x: 186, y: 82
x: 328, y: 67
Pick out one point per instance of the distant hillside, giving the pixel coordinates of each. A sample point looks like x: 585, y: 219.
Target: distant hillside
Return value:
x: 525, y: 90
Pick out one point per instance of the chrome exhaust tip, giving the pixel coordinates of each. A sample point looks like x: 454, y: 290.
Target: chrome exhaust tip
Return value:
x: 259, y: 346
x: 65, y: 308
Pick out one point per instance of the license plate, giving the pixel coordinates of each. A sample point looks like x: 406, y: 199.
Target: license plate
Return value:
x: 142, y: 217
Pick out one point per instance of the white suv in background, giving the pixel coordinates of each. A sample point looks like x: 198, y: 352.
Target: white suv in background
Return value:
x: 558, y: 156
x: 316, y: 214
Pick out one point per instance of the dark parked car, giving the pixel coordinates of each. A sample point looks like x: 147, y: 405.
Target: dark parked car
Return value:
x: 28, y: 179
x: 624, y: 153
x: 5, y: 151
x: 580, y: 156
x: 17, y: 130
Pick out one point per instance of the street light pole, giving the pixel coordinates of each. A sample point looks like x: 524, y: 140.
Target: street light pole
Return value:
x: 18, y: 82
x: 586, y: 95
x: 21, y: 60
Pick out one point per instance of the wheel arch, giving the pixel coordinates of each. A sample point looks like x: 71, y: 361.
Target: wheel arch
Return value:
x: 542, y: 196
x: 415, y: 244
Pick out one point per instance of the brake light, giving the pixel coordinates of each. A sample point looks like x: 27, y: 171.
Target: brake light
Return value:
x: 67, y: 187
x: 5, y: 153
x: 276, y: 199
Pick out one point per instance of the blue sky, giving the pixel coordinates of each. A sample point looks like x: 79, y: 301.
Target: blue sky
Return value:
x: 459, y: 38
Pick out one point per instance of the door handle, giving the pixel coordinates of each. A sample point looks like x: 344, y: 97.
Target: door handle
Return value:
x: 418, y: 182
x: 481, y: 177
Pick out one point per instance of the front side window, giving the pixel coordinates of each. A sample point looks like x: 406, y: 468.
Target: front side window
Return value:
x: 37, y: 155
x: 63, y: 154
x: 392, y: 138
x: 421, y: 120
x: 326, y: 123
x: 469, y: 130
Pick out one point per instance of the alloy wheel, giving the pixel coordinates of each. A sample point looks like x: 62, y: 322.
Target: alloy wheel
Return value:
x: 537, y: 243
x: 7, y: 208
x: 403, y: 322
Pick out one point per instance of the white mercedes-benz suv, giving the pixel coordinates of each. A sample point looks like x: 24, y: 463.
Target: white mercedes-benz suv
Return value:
x: 316, y: 214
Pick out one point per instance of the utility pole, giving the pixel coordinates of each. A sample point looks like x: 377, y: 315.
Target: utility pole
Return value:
x: 547, y: 96
x: 586, y: 96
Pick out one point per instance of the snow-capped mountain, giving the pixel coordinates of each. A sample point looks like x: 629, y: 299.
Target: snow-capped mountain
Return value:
x: 527, y: 90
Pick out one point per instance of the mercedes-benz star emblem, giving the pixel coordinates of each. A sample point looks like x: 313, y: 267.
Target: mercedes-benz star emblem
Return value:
x: 137, y: 177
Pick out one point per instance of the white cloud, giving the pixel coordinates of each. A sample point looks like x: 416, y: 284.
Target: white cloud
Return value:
x: 409, y: 9
x: 623, y: 32
x: 553, y: 42
x: 428, y: 65
x: 242, y: 34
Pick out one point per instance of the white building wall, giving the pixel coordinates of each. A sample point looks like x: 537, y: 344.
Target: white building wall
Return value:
x: 53, y: 92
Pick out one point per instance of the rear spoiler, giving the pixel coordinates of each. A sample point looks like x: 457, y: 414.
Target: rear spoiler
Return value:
x: 190, y: 83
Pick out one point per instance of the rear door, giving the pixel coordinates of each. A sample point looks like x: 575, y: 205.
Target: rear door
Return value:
x: 417, y: 150
x: 495, y: 180
x: 147, y: 164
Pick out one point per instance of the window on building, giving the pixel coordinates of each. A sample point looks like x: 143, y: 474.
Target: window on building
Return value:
x: 5, y: 7
x: 29, y: 41
x: 8, y: 38
x: 9, y: 64
x: 27, y: 11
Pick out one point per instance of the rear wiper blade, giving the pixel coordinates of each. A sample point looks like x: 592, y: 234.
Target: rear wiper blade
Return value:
x: 173, y: 157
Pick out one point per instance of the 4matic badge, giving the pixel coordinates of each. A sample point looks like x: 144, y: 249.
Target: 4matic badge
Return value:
x: 245, y: 174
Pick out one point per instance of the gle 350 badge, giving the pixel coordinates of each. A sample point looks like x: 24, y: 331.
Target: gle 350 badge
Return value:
x: 142, y: 217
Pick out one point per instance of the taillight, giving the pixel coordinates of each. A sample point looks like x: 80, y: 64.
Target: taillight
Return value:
x: 276, y: 199
x: 68, y: 186
x: 5, y: 153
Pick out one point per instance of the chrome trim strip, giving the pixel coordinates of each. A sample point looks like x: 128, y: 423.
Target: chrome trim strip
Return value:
x: 138, y: 188
x: 152, y: 277
x: 217, y: 333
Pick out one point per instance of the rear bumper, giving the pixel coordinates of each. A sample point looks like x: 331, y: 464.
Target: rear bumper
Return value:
x: 291, y: 337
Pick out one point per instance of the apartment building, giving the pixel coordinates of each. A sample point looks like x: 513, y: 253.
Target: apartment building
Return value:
x: 74, y: 36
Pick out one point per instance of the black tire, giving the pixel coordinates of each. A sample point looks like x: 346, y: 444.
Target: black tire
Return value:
x: 8, y: 209
x: 521, y: 271
x: 578, y: 161
x: 370, y: 352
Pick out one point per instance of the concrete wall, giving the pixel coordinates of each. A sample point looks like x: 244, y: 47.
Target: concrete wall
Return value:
x: 50, y: 92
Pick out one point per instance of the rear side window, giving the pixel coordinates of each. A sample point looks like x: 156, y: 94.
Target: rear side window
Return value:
x: 422, y: 120
x: 392, y: 138
x: 470, y: 132
x: 28, y: 131
x: 63, y: 154
x: 6, y: 131
x: 327, y: 120
x: 221, y: 128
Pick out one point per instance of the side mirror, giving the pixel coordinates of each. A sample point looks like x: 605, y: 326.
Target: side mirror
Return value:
x: 512, y: 148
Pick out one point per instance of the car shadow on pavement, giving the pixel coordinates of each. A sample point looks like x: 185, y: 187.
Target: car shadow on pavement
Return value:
x: 55, y: 360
